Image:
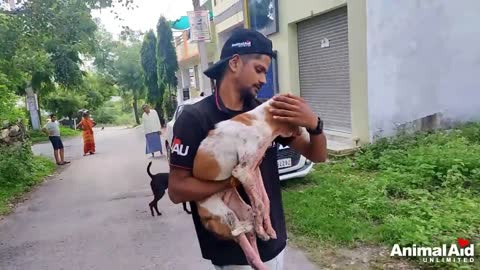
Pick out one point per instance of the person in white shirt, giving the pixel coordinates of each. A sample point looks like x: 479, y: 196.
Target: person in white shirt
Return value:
x: 52, y: 129
x: 152, y: 127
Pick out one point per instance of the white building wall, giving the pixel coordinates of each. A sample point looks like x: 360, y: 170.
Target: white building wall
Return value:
x: 423, y: 58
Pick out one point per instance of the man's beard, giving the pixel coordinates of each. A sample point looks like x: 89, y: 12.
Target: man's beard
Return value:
x: 248, y: 94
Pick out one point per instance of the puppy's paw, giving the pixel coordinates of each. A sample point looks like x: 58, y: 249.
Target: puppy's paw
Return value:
x: 263, y: 237
x: 271, y: 232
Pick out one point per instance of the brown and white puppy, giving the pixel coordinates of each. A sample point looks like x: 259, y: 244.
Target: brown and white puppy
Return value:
x: 233, y: 152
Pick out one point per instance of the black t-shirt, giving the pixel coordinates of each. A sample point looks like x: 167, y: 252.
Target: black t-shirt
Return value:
x: 191, y: 127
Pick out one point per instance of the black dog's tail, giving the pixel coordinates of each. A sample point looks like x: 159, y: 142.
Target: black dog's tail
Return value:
x: 151, y: 175
x: 148, y: 169
x: 185, y: 208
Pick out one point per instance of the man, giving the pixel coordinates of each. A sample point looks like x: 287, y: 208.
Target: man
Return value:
x: 52, y: 129
x: 152, y: 127
x: 239, y: 75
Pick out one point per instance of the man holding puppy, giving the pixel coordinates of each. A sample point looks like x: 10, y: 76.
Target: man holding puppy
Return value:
x: 239, y: 75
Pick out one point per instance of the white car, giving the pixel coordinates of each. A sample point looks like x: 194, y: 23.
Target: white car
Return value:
x: 290, y: 163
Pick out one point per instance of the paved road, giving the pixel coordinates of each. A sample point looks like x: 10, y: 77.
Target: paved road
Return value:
x: 93, y: 214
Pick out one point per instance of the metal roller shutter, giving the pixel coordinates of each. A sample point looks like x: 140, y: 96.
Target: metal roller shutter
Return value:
x: 324, y: 69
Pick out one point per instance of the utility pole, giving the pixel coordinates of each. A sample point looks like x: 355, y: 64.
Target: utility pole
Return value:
x: 205, y: 85
x: 246, y: 15
x: 32, y: 106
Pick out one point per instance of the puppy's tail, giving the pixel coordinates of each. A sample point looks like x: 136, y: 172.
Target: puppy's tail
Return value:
x: 148, y: 169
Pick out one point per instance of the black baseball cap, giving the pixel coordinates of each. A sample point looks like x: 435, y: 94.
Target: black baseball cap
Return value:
x: 241, y: 42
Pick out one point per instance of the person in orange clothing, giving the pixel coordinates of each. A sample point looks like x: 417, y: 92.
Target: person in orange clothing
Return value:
x: 87, y: 125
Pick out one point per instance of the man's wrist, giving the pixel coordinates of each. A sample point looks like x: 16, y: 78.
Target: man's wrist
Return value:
x: 314, y: 124
x: 318, y: 128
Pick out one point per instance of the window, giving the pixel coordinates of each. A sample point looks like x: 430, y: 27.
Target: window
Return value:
x: 186, y: 93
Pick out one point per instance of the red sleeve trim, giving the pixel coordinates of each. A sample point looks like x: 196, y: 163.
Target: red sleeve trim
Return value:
x: 181, y: 167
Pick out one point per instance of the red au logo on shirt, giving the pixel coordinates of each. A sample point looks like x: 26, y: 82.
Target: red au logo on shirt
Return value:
x: 179, y: 148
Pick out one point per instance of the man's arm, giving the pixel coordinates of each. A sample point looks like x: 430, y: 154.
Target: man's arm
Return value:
x: 45, y: 130
x: 80, y: 124
x: 295, y: 110
x: 183, y: 187
x: 315, y: 149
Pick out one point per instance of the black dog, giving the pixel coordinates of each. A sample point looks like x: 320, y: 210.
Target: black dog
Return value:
x: 159, y: 184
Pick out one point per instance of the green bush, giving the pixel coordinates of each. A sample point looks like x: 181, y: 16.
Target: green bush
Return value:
x: 104, y: 116
x: 112, y: 113
x: 8, y: 109
x: 421, y: 189
x: 19, y: 171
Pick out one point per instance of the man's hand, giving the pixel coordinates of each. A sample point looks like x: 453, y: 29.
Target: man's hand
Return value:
x: 294, y: 110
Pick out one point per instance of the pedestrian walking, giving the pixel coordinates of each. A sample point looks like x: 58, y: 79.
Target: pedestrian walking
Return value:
x: 152, y: 127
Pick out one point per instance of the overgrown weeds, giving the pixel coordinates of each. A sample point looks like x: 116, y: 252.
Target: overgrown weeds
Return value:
x: 19, y: 172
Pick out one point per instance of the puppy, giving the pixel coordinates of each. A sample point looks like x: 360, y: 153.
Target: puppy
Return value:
x: 233, y: 151
x: 159, y: 184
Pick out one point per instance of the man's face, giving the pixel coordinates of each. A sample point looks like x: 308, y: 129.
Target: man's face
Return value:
x: 54, y: 118
x: 252, y: 74
x: 146, y: 109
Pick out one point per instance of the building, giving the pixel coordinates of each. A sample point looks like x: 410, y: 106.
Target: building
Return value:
x: 371, y: 67
x: 189, y: 73
x: 228, y: 16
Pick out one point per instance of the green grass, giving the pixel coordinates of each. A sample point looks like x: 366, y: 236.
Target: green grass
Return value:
x: 41, y: 167
x: 419, y: 189
x: 37, y: 136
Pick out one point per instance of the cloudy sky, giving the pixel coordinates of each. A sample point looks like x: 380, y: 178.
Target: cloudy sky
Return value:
x: 144, y: 17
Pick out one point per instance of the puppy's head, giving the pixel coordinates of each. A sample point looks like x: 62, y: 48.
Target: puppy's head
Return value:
x: 281, y: 128
x: 289, y: 130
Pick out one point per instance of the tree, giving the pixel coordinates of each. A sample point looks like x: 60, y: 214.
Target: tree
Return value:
x: 58, y: 32
x: 168, y: 105
x: 166, y: 58
x: 43, y: 43
x: 104, y: 56
x: 8, y: 111
x: 97, y: 90
x: 64, y: 103
x: 149, y: 64
x: 129, y: 73
x: 46, y: 51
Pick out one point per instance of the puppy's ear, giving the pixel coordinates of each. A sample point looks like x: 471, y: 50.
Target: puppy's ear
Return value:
x: 296, y: 131
x: 299, y: 130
